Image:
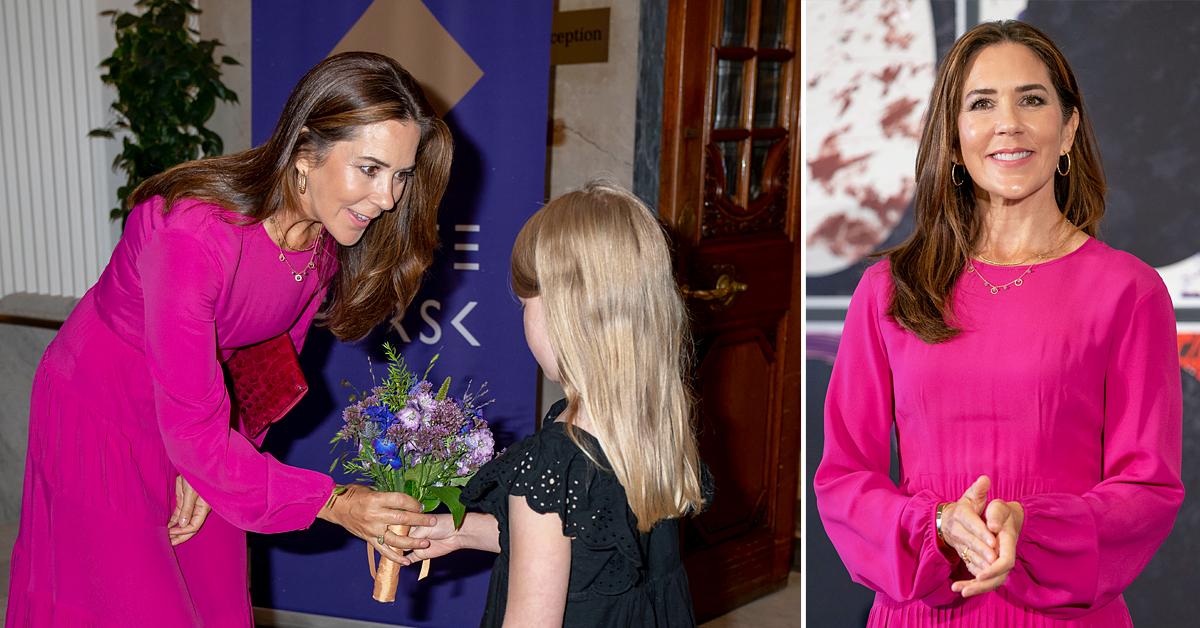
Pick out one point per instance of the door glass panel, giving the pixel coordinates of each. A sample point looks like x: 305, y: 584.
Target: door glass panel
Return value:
x: 758, y: 161
x: 730, y: 158
x: 772, y: 24
x: 728, y: 112
x: 733, y: 26
x: 766, y: 94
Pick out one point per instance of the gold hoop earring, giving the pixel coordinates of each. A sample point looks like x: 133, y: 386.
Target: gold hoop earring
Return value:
x: 955, y: 180
x: 303, y: 183
x: 1058, y: 168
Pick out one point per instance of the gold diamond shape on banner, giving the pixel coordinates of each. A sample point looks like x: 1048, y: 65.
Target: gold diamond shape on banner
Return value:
x: 406, y: 31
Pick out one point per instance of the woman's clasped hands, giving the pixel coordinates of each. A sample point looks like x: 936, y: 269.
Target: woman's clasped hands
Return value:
x: 984, y: 534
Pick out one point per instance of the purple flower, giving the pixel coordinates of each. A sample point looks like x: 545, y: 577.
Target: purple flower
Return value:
x: 480, y: 443
x: 409, y: 417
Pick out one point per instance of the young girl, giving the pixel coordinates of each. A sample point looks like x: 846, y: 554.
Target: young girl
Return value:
x: 583, y: 513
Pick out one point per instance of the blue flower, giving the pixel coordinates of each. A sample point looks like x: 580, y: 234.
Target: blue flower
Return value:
x: 380, y: 414
x: 385, y: 448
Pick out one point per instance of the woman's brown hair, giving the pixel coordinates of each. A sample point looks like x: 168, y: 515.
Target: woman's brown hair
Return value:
x: 926, y: 267
x: 381, y: 273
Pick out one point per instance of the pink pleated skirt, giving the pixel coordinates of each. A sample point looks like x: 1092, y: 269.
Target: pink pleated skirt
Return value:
x: 989, y: 610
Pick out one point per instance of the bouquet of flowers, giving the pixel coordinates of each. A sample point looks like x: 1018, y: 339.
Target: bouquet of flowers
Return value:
x: 404, y: 435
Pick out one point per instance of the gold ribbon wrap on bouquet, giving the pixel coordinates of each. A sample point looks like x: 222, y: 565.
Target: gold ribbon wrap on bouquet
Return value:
x: 387, y: 574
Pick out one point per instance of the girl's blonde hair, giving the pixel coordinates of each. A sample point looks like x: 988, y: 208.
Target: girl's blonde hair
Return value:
x: 599, y: 260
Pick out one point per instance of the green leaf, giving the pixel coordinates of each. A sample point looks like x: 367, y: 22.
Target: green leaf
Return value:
x: 206, y: 104
x: 429, y: 368
x: 228, y: 60
x: 100, y: 133
x: 125, y: 20
x: 444, y: 390
x: 449, y: 495
x: 430, y: 504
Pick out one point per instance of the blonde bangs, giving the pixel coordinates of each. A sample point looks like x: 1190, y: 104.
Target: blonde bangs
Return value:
x: 524, y: 271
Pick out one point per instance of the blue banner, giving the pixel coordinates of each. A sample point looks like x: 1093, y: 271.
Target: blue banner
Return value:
x: 486, y: 67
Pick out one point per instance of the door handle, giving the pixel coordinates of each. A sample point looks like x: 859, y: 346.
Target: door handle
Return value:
x: 724, y: 292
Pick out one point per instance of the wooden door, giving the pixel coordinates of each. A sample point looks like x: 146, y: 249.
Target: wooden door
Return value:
x: 730, y: 195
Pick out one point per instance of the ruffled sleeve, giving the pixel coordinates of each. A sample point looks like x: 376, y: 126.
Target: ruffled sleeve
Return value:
x: 555, y: 476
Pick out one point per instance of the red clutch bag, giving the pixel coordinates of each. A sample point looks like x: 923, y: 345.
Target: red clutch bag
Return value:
x: 266, y: 382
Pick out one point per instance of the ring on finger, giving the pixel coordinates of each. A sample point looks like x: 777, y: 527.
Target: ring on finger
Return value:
x: 965, y: 556
x: 379, y: 539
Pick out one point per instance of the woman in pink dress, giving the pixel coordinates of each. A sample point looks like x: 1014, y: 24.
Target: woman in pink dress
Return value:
x: 1029, y: 372
x: 130, y: 435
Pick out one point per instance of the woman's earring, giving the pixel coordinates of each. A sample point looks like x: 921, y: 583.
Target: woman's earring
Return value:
x: 303, y: 183
x: 1059, y: 168
x: 957, y: 181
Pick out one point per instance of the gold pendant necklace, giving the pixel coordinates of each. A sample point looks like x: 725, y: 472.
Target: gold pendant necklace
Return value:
x: 996, y: 288
x: 316, y: 247
x: 1020, y: 280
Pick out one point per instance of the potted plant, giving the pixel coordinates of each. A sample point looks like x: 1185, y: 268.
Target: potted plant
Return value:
x: 168, y: 84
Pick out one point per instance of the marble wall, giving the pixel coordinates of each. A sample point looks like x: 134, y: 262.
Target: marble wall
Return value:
x: 594, y: 107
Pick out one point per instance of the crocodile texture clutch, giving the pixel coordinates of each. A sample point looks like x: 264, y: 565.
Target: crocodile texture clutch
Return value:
x: 266, y: 382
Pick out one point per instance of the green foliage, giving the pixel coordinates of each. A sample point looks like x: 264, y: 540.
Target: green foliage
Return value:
x: 450, y: 496
x: 168, y: 85
x: 399, y: 379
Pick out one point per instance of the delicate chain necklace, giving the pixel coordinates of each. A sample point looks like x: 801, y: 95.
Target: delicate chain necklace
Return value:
x: 993, y: 263
x: 1020, y: 280
x: 316, y: 248
x: 996, y: 288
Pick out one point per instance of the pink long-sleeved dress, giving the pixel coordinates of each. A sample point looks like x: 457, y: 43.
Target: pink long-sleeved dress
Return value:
x: 130, y: 394
x: 1065, y: 390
